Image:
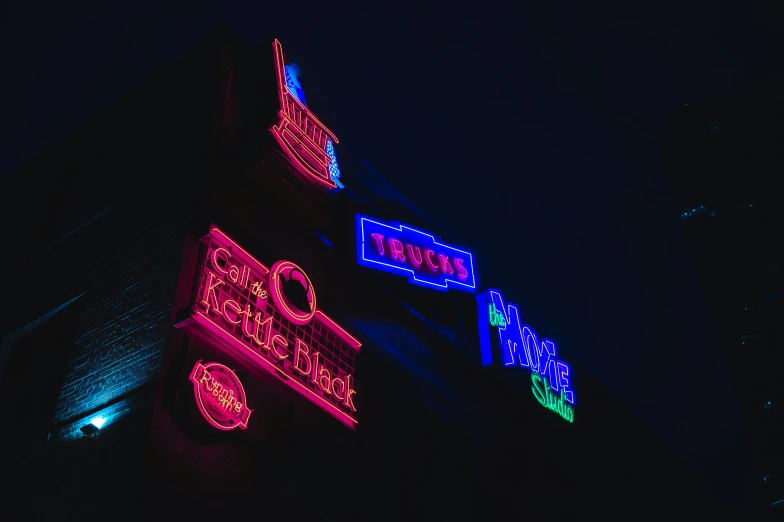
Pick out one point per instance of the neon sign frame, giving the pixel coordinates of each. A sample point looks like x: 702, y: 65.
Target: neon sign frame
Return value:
x: 308, y: 351
x: 304, y: 139
x: 519, y: 345
x: 432, y: 271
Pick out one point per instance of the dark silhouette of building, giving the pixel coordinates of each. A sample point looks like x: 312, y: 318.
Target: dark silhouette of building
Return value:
x: 102, y: 246
x: 724, y: 158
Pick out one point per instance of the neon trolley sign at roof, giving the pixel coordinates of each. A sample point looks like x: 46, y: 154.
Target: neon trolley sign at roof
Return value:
x: 501, y: 332
x: 307, y: 143
x: 270, y: 316
x: 404, y: 250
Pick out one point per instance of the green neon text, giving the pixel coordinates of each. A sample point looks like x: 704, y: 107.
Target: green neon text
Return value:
x: 496, y: 317
x: 548, y: 399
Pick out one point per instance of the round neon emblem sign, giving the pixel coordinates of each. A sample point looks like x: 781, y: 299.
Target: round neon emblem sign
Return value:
x: 292, y: 292
x: 220, y: 396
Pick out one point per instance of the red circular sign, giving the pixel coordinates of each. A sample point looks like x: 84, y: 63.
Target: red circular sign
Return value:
x: 220, y: 396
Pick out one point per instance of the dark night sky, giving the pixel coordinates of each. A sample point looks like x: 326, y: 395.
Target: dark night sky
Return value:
x: 525, y: 133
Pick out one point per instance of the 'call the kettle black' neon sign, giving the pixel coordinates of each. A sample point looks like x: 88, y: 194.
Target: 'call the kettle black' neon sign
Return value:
x: 269, y: 315
x: 518, y: 345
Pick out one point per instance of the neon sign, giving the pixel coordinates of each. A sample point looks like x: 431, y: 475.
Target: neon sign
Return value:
x: 220, y: 396
x: 270, y: 316
x: 400, y: 249
x: 306, y: 142
x: 518, y: 345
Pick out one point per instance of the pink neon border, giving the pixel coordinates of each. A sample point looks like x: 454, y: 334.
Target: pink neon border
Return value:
x: 200, y: 402
x: 323, y: 175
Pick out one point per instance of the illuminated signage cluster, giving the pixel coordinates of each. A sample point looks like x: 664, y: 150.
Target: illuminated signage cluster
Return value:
x: 502, y: 332
x: 407, y: 251
x: 270, y: 316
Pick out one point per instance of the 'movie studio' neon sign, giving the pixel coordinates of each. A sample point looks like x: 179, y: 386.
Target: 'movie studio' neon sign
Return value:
x: 404, y: 250
x: 270, y: 316
x: 518, y: 345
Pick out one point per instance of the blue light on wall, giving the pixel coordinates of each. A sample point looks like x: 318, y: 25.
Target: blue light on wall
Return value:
x: 400, y: 249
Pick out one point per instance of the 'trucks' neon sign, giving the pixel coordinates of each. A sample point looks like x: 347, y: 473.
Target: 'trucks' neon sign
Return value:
x: 307, y: 142
x: 269, y: 315
x: 404, y: 250
x: 518, y: 345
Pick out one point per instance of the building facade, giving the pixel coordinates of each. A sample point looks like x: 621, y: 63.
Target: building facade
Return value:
x: 217, y: 309
x: 722, y: 155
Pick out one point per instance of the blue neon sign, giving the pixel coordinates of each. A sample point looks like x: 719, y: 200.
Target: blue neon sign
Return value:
x: 517, y: 344
x: 404, y: 250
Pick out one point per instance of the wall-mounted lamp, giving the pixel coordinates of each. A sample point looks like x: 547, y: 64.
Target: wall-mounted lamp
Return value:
x: 91, y: 430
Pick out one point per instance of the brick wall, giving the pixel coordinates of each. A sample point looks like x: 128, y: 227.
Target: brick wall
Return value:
x: 122, y: 330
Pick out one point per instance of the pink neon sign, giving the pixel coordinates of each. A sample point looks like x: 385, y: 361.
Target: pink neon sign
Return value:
x: 220, y: 396
x: 269, y: 315
x: 304, y: 139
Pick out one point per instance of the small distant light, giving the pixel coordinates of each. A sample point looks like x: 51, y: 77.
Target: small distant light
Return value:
x: 746, y: 308
x: 765, y: 478
x: 768, y: 406
x: 695, y: 210
x: 98, y: 422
